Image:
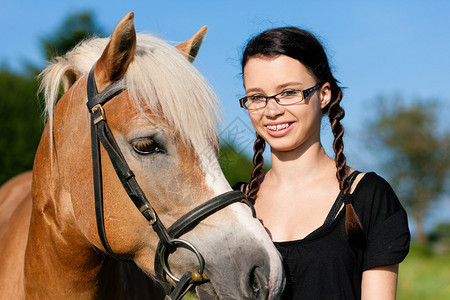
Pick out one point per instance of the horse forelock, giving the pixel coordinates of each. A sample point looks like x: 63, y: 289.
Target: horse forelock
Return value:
x: 159, y: 79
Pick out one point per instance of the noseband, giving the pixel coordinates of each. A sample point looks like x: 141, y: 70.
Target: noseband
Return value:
x: 169, y: 239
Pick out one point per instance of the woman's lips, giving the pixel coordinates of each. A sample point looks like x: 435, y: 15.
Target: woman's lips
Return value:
x: 278, y: 130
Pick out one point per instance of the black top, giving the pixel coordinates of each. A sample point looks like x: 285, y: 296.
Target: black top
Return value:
x: 323, y: 265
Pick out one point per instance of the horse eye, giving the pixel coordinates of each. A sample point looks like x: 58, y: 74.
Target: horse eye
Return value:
x: 146, y: 146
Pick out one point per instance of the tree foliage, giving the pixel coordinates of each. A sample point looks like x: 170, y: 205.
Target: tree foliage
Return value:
x: 235, y: 166
x: 21, y: 124
x: 418, y: 162
x: 20, y: 115
x: 75, y: 28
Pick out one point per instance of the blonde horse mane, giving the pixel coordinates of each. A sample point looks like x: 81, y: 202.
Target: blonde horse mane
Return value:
x: 158, y: 78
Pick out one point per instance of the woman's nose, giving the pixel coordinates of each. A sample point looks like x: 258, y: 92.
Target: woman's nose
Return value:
x: 272, y: 108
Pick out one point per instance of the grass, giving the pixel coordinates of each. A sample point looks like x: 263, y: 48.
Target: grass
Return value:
x: 424, y: 275
x: 190, y: 296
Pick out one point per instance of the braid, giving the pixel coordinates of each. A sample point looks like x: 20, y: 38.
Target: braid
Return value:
x: 258, y: 162
x: 353, y: 227
x: 336, y: 114
x: 303, y: 46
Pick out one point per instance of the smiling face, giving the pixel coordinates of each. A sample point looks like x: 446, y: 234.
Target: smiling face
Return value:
x: 291, y: 127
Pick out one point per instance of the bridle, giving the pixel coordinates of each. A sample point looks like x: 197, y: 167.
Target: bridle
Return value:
x: 169, y: 239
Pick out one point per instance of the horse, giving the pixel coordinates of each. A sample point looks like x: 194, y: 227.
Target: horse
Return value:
x: 160, y: 117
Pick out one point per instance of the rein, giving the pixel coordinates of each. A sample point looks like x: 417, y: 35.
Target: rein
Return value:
x: 169, y: 239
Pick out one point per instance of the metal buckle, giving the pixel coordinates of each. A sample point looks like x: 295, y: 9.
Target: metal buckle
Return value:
x: 197, y: 275
x: 99, y: 113
x: 152, y: 213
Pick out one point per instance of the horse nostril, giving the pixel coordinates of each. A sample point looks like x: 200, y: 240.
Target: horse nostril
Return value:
x: 255, y: 283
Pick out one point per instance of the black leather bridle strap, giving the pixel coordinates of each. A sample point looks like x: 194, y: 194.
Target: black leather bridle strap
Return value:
x: 190, y: 220
x: 124, y: 173
x: 129, y: 182
x: 101, y: 133
x: 94, y: 97
x: 181, y: 288
x: 98, y: 189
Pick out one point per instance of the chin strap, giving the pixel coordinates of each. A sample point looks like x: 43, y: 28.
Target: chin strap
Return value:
x: 183, y: 286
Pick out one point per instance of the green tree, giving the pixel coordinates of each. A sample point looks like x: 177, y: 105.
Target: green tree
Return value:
x: 236, y: 166
x: 20, y: 123
x: 418, y: 154
x: 75, y: 28
x: 20, y: 116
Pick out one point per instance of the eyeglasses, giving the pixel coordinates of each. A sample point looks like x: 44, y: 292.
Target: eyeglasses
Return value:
x: 287, y: 97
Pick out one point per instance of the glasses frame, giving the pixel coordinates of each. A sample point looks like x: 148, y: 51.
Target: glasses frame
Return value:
x: 305, y: 93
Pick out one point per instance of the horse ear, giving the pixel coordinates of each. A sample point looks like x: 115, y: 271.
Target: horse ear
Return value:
x: 118, y: 54
x: 69, y: 78
x: 190, y: 47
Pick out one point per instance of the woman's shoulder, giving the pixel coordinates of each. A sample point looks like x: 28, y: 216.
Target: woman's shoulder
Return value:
x: 371, y: 182
x: 375, y: 196
x: 384, y: 221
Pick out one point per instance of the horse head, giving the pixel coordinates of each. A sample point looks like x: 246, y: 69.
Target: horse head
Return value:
x: 161, y: 115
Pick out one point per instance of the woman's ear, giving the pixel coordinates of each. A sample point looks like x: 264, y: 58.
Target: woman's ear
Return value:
x: 325, y: 94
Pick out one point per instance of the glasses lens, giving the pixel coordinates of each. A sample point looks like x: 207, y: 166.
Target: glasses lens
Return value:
x: 290, y: 97
x: 255, y: 102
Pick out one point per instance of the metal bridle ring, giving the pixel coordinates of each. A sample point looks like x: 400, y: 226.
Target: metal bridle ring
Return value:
x: 176, y: 243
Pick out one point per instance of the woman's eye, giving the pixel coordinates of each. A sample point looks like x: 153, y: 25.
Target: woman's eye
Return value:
x: 289, y: 93
x: 146, y: 146
x: 256, y: 98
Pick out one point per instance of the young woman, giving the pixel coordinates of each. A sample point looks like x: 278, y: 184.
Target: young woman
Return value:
x: 341, y: 233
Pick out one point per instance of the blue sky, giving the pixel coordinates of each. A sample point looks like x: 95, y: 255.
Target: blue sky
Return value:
x: 377, y: 48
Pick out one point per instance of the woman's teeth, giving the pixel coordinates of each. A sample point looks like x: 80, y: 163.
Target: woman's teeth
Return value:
x: 277, y: 127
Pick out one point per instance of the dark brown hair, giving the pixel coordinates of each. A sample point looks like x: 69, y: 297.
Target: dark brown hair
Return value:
x: 304, y: 47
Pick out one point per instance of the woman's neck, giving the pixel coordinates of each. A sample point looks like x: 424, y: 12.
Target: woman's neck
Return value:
x: 305, y: 162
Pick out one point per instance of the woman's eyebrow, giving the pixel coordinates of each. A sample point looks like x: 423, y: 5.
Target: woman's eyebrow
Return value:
x: 253, y: 90
x: 289, y: 84
x: 279, y: 87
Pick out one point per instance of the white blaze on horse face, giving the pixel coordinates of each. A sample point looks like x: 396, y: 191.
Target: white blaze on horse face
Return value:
x: 241, y: 225
x: 257, y: 235
x: 214, y: 177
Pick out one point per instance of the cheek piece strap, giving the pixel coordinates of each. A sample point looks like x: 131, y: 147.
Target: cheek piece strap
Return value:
x: 169, y: 239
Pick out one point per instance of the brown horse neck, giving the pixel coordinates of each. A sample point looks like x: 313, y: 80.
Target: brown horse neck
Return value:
x: 59, y: 262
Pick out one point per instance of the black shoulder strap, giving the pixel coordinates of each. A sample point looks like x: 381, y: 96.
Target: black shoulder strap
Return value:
x: 352, y: 177
x: 347, y: 198
x: 338, y: 203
